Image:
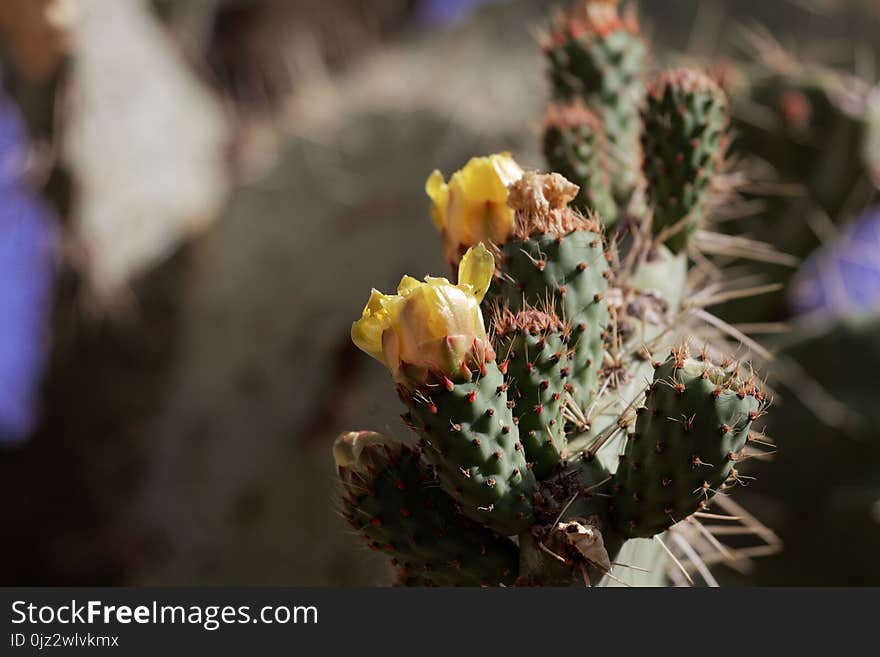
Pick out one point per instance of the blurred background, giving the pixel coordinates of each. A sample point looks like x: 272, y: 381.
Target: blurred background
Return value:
x: 196, y: 197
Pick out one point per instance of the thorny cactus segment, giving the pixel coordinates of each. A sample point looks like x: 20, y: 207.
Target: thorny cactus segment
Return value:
x: 430, y: 329
x: 575, y: 145
x: 684, y: 141
x: 393, y: 501
x: 470, y: 435
x: 472, y: 206
x: 557, y: 257
x: 534, y: 347
x: 597, y: 56
x: 688, y: 436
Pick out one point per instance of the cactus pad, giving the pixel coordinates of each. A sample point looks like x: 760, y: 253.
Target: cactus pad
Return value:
x: 557, y: 258
x: 575, y: 145
x: 470, y: 435
x: 694, y: 424
x: 534, y: 346
x: 392, y: 500
x: 684, y: 142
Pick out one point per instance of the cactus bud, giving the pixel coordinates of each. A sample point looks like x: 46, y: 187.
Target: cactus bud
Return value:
x: 351, y: 447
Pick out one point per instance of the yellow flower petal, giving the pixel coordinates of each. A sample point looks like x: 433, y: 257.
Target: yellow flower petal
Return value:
x: 479, y: 181
x: 374, y: 304
x: 366, y: 333
x: 407, y: 285
x: 476, y: 270
x: 506, y: 168
x: 438, y: 281
x: 472, y: 206
x: 438, y: 191
x: 431, y: 326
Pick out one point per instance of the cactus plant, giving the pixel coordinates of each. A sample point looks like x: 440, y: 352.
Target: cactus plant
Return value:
x: 532, y: 384
x: 534, y: 345
x: 557, y: 255
x: 687, y: 437
x: 815, y: 126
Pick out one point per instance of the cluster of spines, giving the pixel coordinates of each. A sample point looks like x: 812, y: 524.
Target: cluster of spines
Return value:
x: 684, y: 142
x: 695, y: 422
x: 391, y: 498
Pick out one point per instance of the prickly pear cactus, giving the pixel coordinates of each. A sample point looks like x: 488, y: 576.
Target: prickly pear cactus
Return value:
x: 813, y: 133
x: 557, y: 257
x: 470, y: 436
x: 815, y: 126
x: 540, y: 411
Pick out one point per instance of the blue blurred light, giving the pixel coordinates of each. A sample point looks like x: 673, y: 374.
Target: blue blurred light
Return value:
x: 843, y: 277
x: 446, y: 13
x: 27, y: 253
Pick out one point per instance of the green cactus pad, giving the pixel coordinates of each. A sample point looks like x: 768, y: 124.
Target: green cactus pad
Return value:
x: 471, y: 437
x: 599, y: 58
x: 694, y: 424
x: 570, y: 271
x: 534, y: 347
x: 684, y: 142
x: 393, y: 501
x: 575, y: 145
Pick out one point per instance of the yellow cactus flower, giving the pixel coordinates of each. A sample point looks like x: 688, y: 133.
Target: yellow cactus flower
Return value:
x: 472, y: 207
x: 430, y: 327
